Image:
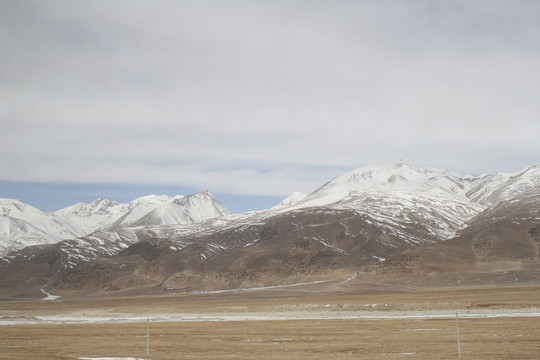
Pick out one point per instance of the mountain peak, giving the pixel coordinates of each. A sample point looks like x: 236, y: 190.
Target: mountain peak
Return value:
x: 151, y: 199
x: 532, y: 169
x: 102, y: 202
x: 291, y: 200
x: 193, y: 208
x: 399, y: 177
x: 204, y: 196
x: 385, y: 176
x: 24, y: 225
x: 374, y: 175
x: 17, y: 209
x: 6, y: 201
x: 205, y: 193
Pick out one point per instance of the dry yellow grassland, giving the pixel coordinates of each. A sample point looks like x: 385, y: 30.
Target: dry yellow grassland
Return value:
x: 333, y: 338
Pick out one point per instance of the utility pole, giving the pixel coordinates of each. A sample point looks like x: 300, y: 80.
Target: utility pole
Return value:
x: 458, y: 343
x: 148, y: 336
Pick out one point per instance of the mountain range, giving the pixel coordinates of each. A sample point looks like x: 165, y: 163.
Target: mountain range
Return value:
x: 384, y: 220
x: 23, y: 225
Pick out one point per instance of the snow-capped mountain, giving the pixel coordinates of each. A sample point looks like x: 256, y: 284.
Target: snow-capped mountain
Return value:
x: 24, y: 225
x: 366, y: 215
x: 140, y: 207
x: 391, y: 178
x: 99, y: 213
x: 492, y: 189
x: 395, y: 177
x: 185, y: 210
x: 103, y: 213
x: 401, y: 198
x: 398, y: 179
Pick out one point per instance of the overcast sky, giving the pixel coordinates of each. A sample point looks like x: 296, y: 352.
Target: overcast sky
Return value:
x: 263, y: 98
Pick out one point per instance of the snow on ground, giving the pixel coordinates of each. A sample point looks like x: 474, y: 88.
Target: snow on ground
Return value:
x: 49, y: 296
x: 263, y: 315
x: 259, y: 288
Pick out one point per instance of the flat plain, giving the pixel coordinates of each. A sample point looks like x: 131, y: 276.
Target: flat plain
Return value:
x: 317, y: 321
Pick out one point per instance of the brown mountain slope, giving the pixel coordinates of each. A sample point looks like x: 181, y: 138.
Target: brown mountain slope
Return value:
x: 281, y: 250
x: 490, y: 250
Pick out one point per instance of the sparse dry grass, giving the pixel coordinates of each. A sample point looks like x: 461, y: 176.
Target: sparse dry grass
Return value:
x: 433, y: 339
x: 500, y: 338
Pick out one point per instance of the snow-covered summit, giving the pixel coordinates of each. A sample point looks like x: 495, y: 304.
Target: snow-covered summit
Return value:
x: 102, y: 213
x: 49, y: 223
x: 98, y: 213
x: 401, y: 196
x: 492, y: 189
x: 290, y: 200
x: 24, y: 225
x: 185, y: 210
x: 142, y: 206
x: 398, y: 177
x: 390, y: 177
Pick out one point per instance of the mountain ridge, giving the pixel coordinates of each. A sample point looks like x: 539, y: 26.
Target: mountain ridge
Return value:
x: 362, y: 218
x: 79, y: 219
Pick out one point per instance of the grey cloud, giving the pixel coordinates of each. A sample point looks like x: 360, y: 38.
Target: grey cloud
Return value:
x: 156, y: 91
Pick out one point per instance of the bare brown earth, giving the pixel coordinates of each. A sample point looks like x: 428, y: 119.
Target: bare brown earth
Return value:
x: 327, y: 320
